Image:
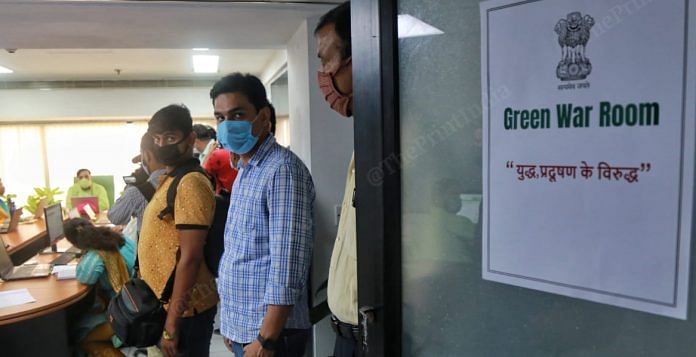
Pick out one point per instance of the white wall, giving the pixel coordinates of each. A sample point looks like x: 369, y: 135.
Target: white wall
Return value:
x: 324, y: 140
x: 279, y: 98
x: 110, y: 103
x: 298, y: 88
x: 274, y: 67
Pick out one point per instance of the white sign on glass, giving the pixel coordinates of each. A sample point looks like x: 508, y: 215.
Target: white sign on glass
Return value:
x: 588, y: 124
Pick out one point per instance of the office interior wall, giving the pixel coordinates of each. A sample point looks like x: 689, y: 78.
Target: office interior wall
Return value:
x: 274, y: 68
x: 279, y: 98
x: 58, y: 104
x: 298, y: 89
x: 324, y: 140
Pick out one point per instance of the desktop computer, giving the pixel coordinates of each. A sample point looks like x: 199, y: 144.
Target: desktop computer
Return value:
x: 54, y: 227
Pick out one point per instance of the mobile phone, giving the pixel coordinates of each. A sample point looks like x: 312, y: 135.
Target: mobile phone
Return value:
x: 129, y: 179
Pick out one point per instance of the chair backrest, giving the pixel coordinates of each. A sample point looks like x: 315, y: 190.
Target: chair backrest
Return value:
x: 108, y: 182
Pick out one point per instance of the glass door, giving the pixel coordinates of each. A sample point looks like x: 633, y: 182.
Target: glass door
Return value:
x: 447, y: 308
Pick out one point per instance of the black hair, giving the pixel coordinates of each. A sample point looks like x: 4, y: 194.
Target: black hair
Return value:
x: 171, y: 118
x: 273, y: 118
x: 147, y: 143
x: 340, y: 17
x: 246, y: 84
x: 84, y: 235
x: 80, y: 170
x: 204, y: 132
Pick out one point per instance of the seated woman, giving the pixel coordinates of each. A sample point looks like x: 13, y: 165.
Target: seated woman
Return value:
x: 107, y: 262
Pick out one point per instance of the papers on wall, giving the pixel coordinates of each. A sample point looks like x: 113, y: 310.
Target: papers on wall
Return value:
x: 588, y: 128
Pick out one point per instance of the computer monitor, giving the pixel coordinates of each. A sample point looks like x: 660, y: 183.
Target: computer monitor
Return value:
x: 54, y: 224
x: 6, y: 264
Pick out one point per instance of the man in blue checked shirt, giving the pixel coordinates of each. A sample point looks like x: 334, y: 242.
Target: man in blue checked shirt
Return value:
x: 268, y: 239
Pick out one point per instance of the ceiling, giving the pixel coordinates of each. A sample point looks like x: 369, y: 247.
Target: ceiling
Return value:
x: 88, y: 40
x: 134, y: 64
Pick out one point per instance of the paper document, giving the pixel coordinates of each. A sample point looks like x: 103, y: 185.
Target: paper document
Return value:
x: 64, y: 268
x: 15, y: 297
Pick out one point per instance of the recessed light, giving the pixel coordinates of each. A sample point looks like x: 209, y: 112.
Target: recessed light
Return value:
x: 201, y: 49
x: 45, y: 89
x: 5, y: 70
x: 205, y: 63
x: 410, y: 26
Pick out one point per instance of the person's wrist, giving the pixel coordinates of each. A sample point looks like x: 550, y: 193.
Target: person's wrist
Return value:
x: 267, y: 343
x: 170, y: 327
x: 169, y: 335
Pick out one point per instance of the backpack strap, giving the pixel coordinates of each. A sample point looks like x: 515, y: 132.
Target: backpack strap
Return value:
x: 188, y: 166
x: 169, y: 287
x: 146, y: 189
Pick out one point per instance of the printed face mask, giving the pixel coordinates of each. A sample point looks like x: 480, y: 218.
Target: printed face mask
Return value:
x: 340, y: 103
x: 236, y: 136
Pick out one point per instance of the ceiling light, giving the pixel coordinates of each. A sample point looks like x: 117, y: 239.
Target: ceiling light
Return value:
x: 45, y: 89
x: 410, y: 26
x: 201, y: 49
x: 5, y: 70
x: 205, y: 63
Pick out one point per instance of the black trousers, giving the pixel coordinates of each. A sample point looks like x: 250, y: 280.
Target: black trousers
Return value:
x: 195, y: 333
x: 291, y: 343
x: 347, y: 347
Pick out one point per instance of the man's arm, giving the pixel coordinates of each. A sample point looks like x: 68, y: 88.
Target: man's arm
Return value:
x: 194, y: 208
x: 191, y: 250
x: 69, y: 196
x: 290, y: 199
x: 103, y: 199
x: 126, y: 206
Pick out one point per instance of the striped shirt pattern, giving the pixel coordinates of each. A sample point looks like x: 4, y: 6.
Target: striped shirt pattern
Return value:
x: 132, y: 203
x: 268, y: 243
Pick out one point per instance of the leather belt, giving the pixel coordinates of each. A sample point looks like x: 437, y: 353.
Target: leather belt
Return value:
x: 345, y: 330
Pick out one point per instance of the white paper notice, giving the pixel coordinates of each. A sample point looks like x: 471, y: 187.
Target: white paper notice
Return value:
x: 588, y: 128
x: 15, y: 297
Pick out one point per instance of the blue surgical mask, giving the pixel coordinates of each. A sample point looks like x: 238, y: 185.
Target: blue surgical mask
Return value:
x: 236, y: 136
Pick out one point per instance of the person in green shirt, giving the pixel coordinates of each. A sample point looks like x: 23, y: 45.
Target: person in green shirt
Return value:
x: 86, y: 188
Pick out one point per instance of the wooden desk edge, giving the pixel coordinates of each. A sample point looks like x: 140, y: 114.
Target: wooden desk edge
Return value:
x: 44, y: 310
x: 16, y: 248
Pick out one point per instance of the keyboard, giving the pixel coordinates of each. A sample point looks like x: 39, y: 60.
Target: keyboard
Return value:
x: 63, y: 259
x: 29, y: 271
x: 24, y: 270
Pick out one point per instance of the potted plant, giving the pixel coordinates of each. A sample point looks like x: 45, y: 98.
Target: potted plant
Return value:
x: 40, y: 192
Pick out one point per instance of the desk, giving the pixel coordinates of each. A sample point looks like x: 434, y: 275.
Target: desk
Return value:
x: 41, y: 328
x: 26, y: 241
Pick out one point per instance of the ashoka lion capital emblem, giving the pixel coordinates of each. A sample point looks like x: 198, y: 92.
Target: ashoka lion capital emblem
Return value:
x: 573, y: 35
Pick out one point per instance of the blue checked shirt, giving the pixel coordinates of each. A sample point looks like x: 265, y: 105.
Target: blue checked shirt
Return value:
x: 268, y: 243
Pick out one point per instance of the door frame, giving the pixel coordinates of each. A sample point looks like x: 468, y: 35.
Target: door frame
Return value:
x: 378, y: 170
